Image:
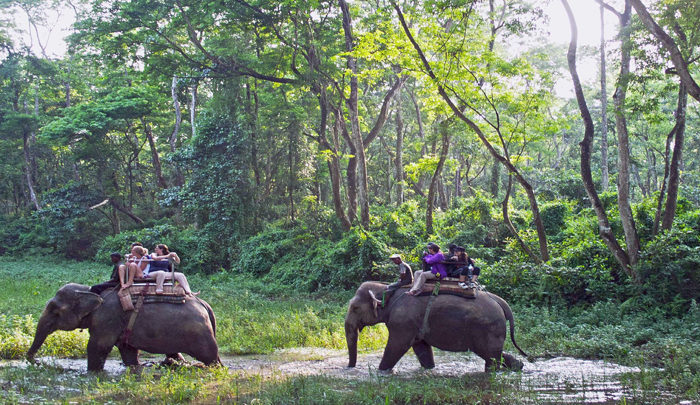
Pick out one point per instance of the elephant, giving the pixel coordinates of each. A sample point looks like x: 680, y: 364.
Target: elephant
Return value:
x: 166, y: 328
x: 453, y: 324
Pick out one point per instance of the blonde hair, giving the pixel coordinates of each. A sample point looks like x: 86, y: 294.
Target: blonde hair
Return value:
x: 139, y: 250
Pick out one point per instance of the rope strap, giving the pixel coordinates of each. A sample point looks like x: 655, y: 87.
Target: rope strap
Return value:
x: 132, y: 320
x: 424, y: 329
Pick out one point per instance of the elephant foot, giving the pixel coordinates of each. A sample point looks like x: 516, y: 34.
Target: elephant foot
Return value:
x: 512, y: 363
x: 385, y: 372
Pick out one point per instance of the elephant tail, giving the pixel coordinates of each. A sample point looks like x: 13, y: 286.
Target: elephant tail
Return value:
x: 509, y: 316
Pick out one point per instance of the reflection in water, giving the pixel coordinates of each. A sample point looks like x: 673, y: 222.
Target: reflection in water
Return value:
x: 557, y: 380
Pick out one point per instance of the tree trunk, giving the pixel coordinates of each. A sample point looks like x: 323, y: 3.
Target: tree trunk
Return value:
x: 28, y: 171
x: 605, y: 177
x: 351, y: 101
x: 179, y: 179
x: 586, y: 146
x: 623, y: 176
x: 334, y: 161
x: 511, y: 227
x: 252, y: 112
x: 442, y: 189
x: 154, y: 155
x: 495, y: 177
x: 193, y: 108
x: 351, y: 170
x: 292, y: 171
x: 398, y: 160
x: 434, y: 182
x: 674, y: 175
x: 421, y: 135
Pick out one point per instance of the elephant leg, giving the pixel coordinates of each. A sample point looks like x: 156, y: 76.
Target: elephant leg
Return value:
x: 130, y: 355
x: 492, y: 362
x: 394, y: 350
x: 97, y: 355
x: 424, y: 352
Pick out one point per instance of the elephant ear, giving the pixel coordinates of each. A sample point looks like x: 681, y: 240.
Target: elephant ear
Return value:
x: 86, y: 303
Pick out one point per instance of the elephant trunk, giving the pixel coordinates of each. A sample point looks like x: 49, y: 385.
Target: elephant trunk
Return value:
x: 351, y: 334
x: 42, y: 331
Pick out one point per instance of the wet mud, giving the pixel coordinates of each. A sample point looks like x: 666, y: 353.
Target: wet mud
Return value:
x: 559, y: 380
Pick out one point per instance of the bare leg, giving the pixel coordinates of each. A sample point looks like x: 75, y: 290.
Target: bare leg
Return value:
x: 133, y: 268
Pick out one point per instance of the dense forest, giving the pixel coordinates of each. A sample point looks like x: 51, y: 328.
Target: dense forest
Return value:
x: 268, y: 137
x: 300, y: 143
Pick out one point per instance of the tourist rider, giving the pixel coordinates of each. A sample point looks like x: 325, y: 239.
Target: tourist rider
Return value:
x: 434, y: 258
x: 160, y: 269
x: 468, y: 274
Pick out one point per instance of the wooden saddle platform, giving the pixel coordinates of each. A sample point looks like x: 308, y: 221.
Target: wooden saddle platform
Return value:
x: 449, y: 285
x: 146, y: 292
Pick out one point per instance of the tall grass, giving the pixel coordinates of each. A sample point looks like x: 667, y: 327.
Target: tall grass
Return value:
x: 248, y: 319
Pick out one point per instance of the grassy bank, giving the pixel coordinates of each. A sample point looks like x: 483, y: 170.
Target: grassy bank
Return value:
x: 258, y: 318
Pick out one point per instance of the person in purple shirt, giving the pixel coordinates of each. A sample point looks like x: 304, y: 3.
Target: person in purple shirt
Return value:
x: 433, y: 258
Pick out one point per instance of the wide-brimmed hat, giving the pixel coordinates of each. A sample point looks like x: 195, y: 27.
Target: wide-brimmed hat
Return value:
x: 395, y: 256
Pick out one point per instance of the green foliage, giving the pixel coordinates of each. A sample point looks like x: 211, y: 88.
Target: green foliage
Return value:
x: 23, y: 235
x: 218, y: 194
x: 300, y: 260
x: 670, y: 267
x: 72, y: 228
x: 552, y: 285
x: 554, y: 216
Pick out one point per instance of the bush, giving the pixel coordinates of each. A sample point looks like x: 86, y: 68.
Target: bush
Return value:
x: 552, y: 284
x: 669, y: 269
x: 554, y: 216
x: 305, y: 262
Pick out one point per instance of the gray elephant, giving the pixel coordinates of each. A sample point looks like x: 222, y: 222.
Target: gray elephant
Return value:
x: 453, y: 324
x: 166, y: 328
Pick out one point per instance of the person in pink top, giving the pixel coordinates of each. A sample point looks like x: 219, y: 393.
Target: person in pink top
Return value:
x: 433, y: 258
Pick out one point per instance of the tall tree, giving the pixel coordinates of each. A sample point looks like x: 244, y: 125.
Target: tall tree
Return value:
x: 484, y: 105
x: 604, y: 228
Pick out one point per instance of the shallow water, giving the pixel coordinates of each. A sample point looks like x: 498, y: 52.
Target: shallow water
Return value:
x: 556, y: 380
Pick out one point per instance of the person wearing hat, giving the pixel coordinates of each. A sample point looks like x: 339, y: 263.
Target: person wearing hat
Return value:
x: 405, y: 273
x: 114, y: 279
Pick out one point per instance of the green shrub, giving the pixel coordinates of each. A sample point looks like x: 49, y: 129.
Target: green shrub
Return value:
x: 669, y: 269
x: 554, y: 216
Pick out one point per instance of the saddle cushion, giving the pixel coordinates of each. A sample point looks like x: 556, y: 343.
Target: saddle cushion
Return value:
x: 129, y: 297
x: 449, y: 285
